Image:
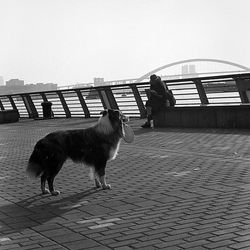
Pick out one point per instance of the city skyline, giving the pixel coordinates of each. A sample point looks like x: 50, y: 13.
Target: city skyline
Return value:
x: 66, y: 42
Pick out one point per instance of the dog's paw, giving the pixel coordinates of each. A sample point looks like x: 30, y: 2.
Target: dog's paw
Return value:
x: 97, y: 184
x: 55, y: 193
x: 45, y: 191
x: 106, y: 186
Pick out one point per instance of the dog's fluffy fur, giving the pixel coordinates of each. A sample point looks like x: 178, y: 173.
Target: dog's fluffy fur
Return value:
x: 93, y: 146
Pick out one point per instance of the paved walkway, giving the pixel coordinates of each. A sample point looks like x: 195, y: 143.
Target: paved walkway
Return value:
x: 171, y: 189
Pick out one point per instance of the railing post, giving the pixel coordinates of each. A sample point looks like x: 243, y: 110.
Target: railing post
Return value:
x: 243, y: 84
x: 107, y: 98
x: 29, y: 106
x: 138, y: 100
x: 12, y: 102
x: 1, y: 105
x: 64, y: 104
x: 83, y: 103
x: 43, y: 96
x: 201, y: 91
x: 111, y: 98
x: 103, y: 98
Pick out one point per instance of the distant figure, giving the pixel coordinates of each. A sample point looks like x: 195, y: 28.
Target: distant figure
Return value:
x: 157, y: 98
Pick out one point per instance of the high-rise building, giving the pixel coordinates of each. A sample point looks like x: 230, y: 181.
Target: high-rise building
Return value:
x: 184, y: 70
x: 98, y: 81
x: 189, y: 70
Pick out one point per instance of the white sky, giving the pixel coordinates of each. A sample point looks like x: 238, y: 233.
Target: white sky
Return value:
x: 72, y: 41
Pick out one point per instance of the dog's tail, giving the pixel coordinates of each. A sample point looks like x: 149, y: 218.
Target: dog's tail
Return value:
x: 35, y: 165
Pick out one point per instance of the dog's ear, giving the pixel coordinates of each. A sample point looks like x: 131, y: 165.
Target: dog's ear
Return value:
x: 104, y: 112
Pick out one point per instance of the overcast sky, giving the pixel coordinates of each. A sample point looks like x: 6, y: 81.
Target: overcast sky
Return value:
x: 72, y: 41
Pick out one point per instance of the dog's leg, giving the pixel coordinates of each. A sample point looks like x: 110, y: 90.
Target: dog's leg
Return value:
x: 97, y: 182
x: 103, y: 182
x: 100, y: 170
x: 55, y: 166
x: 51, y: 186
x: 94, y: 176
x: 43, y: 182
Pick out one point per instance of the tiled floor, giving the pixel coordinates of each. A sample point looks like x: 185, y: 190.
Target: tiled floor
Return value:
x: 171, y: 189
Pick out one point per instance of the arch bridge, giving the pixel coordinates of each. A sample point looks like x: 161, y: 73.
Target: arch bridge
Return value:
x: 239, y: 67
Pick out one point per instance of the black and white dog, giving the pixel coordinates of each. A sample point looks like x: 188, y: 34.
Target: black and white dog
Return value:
x: 93, y: 146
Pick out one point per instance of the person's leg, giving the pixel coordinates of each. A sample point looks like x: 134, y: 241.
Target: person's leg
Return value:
x: 149, y: 114
x: 149, y: 117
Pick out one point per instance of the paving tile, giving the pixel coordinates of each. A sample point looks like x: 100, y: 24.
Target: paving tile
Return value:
x: 57, y: 232
x: 241, y: 245
x: 223, y: 237
x: 196, y: 243
x: 161, y: 236
x: 123, y: 243
x: 82, y: 244
x: 148, y: 243
x: 72, y: 237
x: 123, y: 248
x: 101, y: 226
x: 4, y: 239
x: 47, y: 227
x: 199, y: 237
x: 6, y: 247
x: 219, y: 244
x: 174, y: 244
x: 99, y: 248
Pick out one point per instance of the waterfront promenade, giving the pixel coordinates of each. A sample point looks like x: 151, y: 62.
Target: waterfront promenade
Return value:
x: 171, y: 189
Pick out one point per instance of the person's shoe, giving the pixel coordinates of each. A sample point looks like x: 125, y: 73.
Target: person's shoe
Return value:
x: 146, y: 125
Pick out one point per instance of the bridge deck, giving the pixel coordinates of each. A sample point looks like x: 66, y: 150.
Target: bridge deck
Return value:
x: 172, y: 189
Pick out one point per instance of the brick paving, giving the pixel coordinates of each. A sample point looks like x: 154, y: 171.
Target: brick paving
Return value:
x: 171, y: 189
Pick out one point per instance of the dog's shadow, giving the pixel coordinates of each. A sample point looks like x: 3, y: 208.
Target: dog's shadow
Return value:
x: 38, y: 210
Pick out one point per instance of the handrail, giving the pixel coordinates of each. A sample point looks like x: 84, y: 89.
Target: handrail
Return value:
x: 130, y: 98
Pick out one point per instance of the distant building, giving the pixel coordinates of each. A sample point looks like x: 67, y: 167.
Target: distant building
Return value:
x: 16, y: 86
x: 1, y: 81
x: 12, y: 86
x: 40, y: 87
x: 83, y: 85
x: 14, y: 82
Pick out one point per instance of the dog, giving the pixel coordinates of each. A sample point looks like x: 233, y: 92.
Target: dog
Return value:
x: 93, y: 146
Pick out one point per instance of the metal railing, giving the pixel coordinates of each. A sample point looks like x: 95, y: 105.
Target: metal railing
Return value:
x: 130, y: 98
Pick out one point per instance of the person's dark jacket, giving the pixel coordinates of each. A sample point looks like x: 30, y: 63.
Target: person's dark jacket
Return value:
x: 158, y: 96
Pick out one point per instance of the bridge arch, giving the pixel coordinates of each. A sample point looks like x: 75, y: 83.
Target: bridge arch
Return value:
x: 188, y: 61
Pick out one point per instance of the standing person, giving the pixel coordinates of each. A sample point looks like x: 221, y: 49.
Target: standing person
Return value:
x: 157, y: 98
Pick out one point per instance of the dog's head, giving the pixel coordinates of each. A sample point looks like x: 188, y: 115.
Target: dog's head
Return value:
x: 114, y: 115
x: 112, y: 120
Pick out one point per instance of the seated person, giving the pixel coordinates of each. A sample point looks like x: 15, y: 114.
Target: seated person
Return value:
x: 157, y: 98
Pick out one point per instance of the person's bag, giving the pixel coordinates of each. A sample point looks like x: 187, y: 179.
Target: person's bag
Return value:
x: 171, y: 98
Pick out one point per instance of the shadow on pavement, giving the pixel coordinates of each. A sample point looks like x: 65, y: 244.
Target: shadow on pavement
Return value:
x: 38, y: 210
